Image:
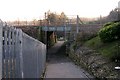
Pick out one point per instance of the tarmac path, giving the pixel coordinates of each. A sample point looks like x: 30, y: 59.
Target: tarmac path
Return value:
x: 60, y: 66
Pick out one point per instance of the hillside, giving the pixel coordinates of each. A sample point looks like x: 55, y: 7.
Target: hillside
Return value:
x: 96, y: 57
x: 99, y: 54
x: 110, y: 50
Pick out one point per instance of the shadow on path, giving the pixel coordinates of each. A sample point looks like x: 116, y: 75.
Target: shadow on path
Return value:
x: 57, y: 54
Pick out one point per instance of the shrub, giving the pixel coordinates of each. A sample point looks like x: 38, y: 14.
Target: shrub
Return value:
x: 110, y: 23
x: 107, y: 24
x: 110, y: 32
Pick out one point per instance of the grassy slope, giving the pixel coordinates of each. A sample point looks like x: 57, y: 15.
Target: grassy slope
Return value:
x: 109, y: 50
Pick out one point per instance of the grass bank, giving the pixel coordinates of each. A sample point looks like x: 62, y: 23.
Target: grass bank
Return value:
x: 110, y: 50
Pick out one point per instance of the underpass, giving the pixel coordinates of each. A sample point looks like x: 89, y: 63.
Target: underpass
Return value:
x: 30, y: 50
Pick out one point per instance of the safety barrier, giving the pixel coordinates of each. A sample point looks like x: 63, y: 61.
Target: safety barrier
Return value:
x: 21, y: 56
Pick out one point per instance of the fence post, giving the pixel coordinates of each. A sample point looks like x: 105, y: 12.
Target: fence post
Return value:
x: 13, y: 52
x: 17, y: 54
x: 1, y: 44
x: 17, y: 75
x: 5, y: 52
x: 21, y: 55
x: 9, y: 53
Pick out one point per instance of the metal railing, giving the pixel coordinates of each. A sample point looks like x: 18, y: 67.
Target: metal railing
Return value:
x: 21, y: 56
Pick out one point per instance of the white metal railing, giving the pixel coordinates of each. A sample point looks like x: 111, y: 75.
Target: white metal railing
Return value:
x: 21, y: 56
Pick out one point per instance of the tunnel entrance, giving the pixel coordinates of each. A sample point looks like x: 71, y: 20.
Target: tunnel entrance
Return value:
x: 51, y: 38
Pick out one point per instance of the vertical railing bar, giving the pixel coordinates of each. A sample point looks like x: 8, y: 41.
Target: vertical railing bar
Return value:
x: 9, y: 53
x: 15, y: 52
x: 6, y: 52
x: 1, y: 51
x: 14, y: 59
x: 3, y: 55
x: 12, y: 53
x: 21, y: 54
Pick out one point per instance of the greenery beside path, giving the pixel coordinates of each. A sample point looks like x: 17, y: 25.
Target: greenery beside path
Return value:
x: 96, y: 55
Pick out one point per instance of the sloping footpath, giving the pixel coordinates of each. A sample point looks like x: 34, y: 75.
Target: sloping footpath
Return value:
x: 60, y: 66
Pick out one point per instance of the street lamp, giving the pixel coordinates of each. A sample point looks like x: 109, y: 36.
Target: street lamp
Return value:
x: 118, y: 10
x: 45, y: 30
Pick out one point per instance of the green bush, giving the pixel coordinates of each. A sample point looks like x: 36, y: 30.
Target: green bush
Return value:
x: 107, y: 24
x: 110, y: 32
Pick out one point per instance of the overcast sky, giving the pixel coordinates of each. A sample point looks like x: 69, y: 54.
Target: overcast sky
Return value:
x: 31, y: 9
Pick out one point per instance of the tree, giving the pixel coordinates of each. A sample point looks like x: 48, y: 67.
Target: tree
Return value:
x: 113, y: 15
x: 52, y: 18
x: 56, y: 19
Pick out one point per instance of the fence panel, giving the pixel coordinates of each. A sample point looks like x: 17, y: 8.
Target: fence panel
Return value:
x: 21, y: 56
x: 33, y: 57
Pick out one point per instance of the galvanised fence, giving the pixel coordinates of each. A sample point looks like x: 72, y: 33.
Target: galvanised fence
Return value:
x: 21, y: 56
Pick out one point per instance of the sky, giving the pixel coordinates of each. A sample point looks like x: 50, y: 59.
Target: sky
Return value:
x: 34, y: 9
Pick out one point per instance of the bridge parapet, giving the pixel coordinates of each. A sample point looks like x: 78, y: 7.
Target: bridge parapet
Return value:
x: 56, y: 28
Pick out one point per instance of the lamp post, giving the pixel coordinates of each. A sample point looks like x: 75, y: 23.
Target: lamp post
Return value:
x: 45, y: 30
x: 118, y: 10
x: 65, y: 29
x: 77, y: 30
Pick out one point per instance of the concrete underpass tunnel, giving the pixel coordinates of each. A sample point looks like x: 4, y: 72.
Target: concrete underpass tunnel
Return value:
x: 51, y: 38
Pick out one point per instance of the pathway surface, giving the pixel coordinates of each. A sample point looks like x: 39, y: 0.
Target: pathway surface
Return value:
x: 60, y: 66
